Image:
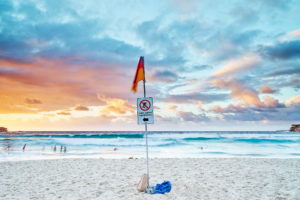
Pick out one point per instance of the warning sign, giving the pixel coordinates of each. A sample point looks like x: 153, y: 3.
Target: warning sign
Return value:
x: 145, y: 105
x: 145, y: 110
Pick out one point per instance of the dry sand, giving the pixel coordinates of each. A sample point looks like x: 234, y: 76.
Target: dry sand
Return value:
x: 205, y: 178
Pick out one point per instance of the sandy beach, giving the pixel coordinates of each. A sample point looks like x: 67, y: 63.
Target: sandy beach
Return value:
x: 204, y: 178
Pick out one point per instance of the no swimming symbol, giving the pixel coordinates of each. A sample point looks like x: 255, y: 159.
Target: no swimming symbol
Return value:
x: 145, y: 105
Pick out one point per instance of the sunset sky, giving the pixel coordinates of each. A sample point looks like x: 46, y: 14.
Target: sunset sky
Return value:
x: 210, y: 65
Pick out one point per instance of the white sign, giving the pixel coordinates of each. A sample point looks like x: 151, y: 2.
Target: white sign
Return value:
x: 145, y: 110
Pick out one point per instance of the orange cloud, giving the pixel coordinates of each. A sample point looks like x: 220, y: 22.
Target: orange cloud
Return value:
x: 57, y: 84
x: 115, y: 106
x: 229, y: 109
x: 32, y: 101
x: 172, y: 108
x: 64, y: 113
x: 218, y: 109
x: 267, y: 90
x: 239, y: 92
x: 200, y: 105
x: 236, y: 65
x: 292, y: 101
x: 245, y: 96
x: 271, y: 102
x: 81, y: 108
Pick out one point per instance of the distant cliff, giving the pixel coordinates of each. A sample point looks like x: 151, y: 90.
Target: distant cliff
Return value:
x: 295, y: 128
x: 3, y: 129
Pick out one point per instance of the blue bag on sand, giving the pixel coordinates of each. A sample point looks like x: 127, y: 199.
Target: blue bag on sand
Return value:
x: 163, y: 188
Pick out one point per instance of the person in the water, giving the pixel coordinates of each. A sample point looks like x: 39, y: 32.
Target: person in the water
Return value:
x: 24, y: 147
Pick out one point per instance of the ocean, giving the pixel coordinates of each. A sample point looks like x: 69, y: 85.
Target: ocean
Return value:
x: 103, y: 144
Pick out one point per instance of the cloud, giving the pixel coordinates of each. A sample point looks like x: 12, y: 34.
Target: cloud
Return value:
x: 63, y: 113
x: 166, y: 45
x: 293, y: 101
x: 266, y: 90
x: 270, y: 102
x: 172, y: 108
x: 293, y: 35
x: 245, y: 96
x: 58, y: 83
x: 197, y: 67
x: 195, y: 98
x: 218, y: 109
x: 270, y: 114
x: 55, y: 63
x: 81, y: 108
x: 7, y: 108
x: 292, y: 70
x: 191, y: 117
x: 283, y: 50
x: 237, y: 65
x: 245, y: 14
x: 68, y: 34
x: 225, y: 43
x: 33, y: 101
x: 115, y: 106
x: 200, y: 105
x: 164, y: 76
x: 273, y: 111
x: 185, y: 7
x: 239, y: 92
x: 229, y: 109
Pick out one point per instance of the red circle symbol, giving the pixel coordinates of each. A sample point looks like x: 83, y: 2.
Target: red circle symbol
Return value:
x: 145, y: 105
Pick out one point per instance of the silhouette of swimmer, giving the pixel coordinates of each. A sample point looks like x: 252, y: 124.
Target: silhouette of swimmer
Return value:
x: 65, y: 149
x: 54, y: 149
x: 61, y: 148
x: 24, y: 147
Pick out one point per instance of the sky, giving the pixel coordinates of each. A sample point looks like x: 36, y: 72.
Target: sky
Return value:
x: 210, y: 65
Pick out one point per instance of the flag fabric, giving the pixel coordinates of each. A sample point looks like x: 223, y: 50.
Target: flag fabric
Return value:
x: 139, y: 75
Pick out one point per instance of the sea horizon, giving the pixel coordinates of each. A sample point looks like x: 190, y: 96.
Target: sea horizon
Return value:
x: 162, y: 144
x: 140, y: 131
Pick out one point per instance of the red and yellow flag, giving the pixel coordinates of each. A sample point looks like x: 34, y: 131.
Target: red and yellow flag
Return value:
x: 139, y: 75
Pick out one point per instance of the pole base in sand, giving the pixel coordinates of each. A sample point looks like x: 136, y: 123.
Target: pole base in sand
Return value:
x: 150, y: 190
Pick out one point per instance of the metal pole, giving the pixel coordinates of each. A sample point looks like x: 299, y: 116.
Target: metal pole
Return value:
x: 147, y: 155
x: 144, y: 78
x: 146, y: 131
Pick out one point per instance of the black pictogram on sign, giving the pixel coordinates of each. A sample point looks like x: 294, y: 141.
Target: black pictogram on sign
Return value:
x: 145, y: 105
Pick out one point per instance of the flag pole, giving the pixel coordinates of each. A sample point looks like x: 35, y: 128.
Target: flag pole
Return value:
x: 146, y: 131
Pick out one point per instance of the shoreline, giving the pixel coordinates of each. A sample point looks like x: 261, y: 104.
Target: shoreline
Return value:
x: 191, y: 178
x: 23, y: 159
x: 122, y: 157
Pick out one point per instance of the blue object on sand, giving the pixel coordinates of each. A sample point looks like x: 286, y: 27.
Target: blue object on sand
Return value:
x: 163, y: 188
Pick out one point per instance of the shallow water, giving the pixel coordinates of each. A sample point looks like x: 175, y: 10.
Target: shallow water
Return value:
x: 40, y: 145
